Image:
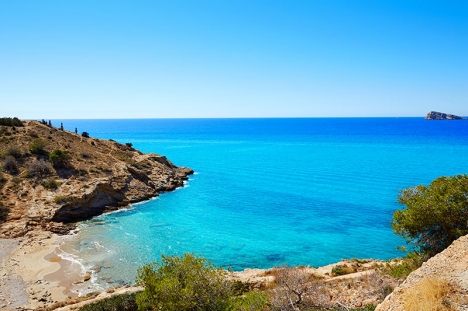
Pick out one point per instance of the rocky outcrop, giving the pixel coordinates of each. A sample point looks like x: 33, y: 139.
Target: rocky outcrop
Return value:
x: 434, y: 115
x: 101, y: 176
x: 450, y: 266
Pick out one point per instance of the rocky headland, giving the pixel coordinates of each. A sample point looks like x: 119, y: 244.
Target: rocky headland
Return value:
x: 434, y: 115
x: 50, y: 179
x: 53, y: 178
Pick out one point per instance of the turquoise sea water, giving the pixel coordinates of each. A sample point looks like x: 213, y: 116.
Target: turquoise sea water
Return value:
x: 269, y: 191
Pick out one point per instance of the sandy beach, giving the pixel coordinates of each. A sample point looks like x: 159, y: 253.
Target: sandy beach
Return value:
x: 33, y: 275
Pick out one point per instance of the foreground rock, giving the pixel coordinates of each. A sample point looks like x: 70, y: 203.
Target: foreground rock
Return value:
x: 449, y: 269
x: 98, y: 176
x: 434, y: 115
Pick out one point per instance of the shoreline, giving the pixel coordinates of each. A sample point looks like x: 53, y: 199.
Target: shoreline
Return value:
x: 34, y: 275
x: 24, y: 269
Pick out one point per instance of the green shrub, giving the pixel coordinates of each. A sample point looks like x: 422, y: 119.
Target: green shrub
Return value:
x: 51, y: 183
x: 250, y: 301
x: 81, y: 171
x: 341, y: 270
x: 402, y: 269
x: 37, y: 146
x: 434, y: 216
x: 14, y: 152
x: 59, y: 158
x: 11, y: 122
x: 183, y: 283
x: 59, y: 199
x: 125, y: 302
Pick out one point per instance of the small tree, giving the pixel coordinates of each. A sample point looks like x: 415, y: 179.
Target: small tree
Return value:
x: 39, y: 169
x: 434, y: 216
x: 183, y: 283
x: 297, y: 290
x: 37, y: 146
x: 59, y: 158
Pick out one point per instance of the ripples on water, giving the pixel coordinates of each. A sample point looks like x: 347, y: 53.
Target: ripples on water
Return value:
x: 269, y: 191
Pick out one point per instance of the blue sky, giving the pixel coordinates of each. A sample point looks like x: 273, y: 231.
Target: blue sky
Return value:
x: 182, y: 59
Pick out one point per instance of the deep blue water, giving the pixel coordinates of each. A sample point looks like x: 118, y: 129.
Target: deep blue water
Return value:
x: 270, y: 191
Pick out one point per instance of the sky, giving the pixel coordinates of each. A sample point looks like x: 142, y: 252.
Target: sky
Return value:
x: 230, y: 59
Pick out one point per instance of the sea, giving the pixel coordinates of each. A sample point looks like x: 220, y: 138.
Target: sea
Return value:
x: 267, y: 192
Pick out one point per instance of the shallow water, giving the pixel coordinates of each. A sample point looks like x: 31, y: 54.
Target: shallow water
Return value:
x: 269, y: 191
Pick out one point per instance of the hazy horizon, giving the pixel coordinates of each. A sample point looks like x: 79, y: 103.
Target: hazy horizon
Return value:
x: 156, y: 118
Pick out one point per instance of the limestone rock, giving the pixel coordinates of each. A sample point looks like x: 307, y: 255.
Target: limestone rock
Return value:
x: 102, y: 176
x: 450, y: 265
x: 434, y: 115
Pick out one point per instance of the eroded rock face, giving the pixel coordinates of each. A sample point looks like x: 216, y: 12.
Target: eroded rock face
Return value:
x: 102, y: 176
x: 451, y: 265
x: 130, y: 185
x: 434, y: 115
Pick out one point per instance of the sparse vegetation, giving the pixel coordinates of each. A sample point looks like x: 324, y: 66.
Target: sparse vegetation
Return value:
x: 404, y: 267
x: 3, y: 211
x: 10, y: 165
x: 39, y: 168
x: 85, y: 155
x: 342, y: 270
x: 297, y: 290
x: 51, y: 183
x: 430, y: 295
x: 37, y: 146
x: 59, y: 199
x: 125, y: 302
x: 3, y: 181
x: 81, y: 171
x: 60, y: 158
x: 33, y: 134
x: 13, y: 151
x: 11, y: 122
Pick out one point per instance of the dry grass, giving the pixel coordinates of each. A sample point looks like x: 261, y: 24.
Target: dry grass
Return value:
x: 431, y: 294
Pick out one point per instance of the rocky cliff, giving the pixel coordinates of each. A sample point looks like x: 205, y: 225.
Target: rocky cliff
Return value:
x: 434, y: 115
x: 440, y: 284
x: 90, y: 177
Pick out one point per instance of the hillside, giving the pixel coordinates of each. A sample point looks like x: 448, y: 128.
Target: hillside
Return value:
x: 440, y: 284
x: 52, y: 178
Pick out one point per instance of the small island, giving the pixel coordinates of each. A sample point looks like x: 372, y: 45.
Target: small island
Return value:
x: 434, y: 115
